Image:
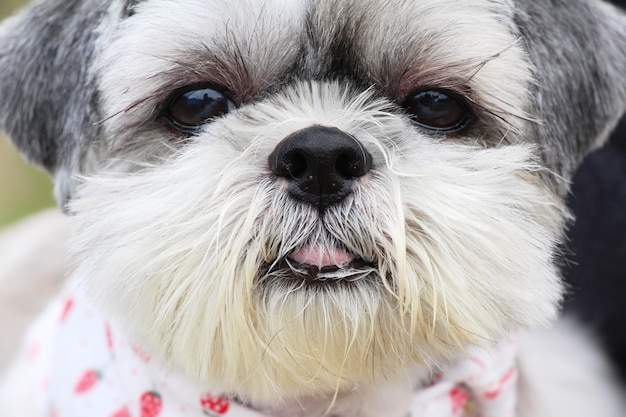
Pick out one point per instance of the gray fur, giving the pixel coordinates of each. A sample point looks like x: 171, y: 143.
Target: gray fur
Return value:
x: 129, y: 8
x: 579, y: 57
x: 49, y: 98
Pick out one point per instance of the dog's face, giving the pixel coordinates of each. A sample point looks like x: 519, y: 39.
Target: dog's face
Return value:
x: 282, y: 198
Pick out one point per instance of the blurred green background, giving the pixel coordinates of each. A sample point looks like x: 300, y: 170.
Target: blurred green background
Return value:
x: 23, y: 189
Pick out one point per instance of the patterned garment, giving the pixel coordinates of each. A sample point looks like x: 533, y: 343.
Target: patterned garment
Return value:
x: 82, y: 365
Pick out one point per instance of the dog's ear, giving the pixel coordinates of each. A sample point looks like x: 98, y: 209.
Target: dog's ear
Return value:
x: 578, y: 52
x: 48, y: 93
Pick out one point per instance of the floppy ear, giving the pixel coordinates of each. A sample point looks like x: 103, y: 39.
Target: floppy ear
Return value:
x: 48, y: 94
x: 578, y: 51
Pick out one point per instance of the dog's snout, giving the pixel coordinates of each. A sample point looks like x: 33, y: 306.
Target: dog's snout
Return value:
x: 320, y: 163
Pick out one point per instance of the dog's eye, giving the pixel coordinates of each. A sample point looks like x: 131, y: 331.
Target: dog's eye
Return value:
x: 192, y: 108
x: 438, y: 110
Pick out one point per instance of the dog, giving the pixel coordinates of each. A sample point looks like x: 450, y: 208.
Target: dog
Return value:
x: 312, y: 207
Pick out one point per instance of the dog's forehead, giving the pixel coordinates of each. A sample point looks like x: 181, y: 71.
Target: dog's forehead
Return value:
x: 247, y: 46
x: 331, y: 36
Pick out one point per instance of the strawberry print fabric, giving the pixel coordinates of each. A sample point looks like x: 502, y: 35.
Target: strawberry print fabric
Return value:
x: 82, y: 365
x: 483, y: 385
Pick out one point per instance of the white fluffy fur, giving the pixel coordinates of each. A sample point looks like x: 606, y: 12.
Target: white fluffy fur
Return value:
x: 432, y: 42
x: 152, y: 50
x: 462, y: 238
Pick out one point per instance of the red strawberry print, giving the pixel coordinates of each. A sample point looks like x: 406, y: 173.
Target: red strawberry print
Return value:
x: 67, y: 307
x: 87, y: 381
x: 495, y: 393
x: 140, y: 353
x: 121, y: 413
x: 459, y: 399
x: 214, y: 405
x: 435, y: 379
x: 109, y: 336
x: 151, y: 404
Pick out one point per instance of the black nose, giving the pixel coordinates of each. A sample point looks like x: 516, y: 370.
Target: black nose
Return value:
x: 321, y: 163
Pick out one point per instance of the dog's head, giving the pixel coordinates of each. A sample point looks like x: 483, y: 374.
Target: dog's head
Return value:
x: 284, y: 197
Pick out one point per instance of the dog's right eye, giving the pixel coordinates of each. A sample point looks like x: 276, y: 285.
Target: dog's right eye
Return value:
x: 438, y: 110
x: 190, y: 109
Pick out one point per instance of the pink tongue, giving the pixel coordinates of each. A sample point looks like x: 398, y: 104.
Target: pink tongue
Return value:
x: 321, y: 256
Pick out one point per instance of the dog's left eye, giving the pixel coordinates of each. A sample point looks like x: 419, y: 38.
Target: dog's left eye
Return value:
x: 438, y: 110
x: 192, y: 108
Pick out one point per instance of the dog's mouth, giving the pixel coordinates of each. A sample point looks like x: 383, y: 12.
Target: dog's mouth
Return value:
x: 318, y: 264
